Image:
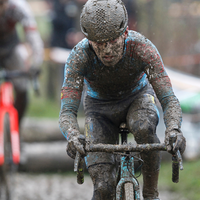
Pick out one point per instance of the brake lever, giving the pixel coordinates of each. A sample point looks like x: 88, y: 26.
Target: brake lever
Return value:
x: 179, y: 159
x: 177, y: 155
x: 77, y: 161
x: 34, y: 73
x: 36, y: 85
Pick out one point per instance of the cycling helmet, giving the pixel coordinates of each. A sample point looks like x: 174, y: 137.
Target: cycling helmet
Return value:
x: 103, y: 20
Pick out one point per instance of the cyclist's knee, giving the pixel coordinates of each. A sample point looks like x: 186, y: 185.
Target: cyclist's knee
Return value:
x: 104, y: 180
x: 142, y: 123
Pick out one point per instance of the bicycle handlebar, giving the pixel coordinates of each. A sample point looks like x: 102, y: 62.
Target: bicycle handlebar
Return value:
x: 4, y: 74
x: 110, y: 148
x: 13, y: 74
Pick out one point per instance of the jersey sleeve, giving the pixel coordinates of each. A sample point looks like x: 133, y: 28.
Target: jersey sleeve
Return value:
x: 161, y: 83
x: 71, y: 91
x: 24, y: 15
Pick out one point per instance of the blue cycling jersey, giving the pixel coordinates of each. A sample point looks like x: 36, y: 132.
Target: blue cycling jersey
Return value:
x: 141, y: 62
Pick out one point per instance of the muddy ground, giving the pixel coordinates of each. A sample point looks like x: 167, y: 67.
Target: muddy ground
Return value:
x: 61, y: 187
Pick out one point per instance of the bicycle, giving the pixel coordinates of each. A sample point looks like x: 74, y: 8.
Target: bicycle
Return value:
x: 9, y: 131
x: 128, y: 185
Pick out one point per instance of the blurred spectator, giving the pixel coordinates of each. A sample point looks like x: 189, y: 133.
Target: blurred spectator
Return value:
x: 64, y: 14
x: 13, y: 55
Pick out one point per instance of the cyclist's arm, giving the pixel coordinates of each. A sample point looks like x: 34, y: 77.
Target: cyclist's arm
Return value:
x: 161, y: 84
x: 35, y: 41
x: 71, y: 94
x: 31, y: 33
x: 169, y: 102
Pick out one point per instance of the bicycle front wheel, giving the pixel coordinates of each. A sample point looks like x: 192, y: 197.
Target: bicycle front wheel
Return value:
x: 7, y: 169
x: 128, y: 191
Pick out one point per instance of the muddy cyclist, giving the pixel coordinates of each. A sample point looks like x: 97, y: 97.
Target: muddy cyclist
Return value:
x: 12, y: 54
x: 122, y: 73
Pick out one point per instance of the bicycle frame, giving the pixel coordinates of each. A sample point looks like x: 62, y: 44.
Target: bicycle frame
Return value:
x: 127, y: 167
x: 6, y: 106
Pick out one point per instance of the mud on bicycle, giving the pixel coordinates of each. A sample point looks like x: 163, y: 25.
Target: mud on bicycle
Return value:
x: 128, y: 186
x: 9, y: 129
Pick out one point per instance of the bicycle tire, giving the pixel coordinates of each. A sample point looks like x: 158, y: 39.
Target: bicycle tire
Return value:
x: 128, y: 191
x: 8, y: 168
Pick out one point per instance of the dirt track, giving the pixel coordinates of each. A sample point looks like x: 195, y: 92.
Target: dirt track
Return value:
x: 51, y: 187
x: 60, y: 187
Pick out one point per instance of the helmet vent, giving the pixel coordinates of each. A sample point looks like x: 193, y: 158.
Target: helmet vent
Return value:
x: 122, y: 25
x: 103, y: 20
x: 100, y: 17
x: 84, y: 29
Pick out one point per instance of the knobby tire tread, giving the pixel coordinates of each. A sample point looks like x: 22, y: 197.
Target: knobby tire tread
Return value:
x: 128, y: 191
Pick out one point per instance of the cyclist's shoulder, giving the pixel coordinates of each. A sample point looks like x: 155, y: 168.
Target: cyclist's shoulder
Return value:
x: 136, y: 37
x: 83, y: 45
x: 82, y: 49
x: 80, y: 54
x: 138, y: 41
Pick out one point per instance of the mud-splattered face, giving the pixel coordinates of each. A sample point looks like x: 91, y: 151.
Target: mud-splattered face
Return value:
x: 3, y: 5
x: 109, y: 52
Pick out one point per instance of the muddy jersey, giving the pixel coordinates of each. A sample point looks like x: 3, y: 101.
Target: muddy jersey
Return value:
x: 141, y: 63
x: 18, y: 12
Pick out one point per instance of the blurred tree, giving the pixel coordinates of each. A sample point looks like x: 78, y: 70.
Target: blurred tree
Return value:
x: 173, y: 26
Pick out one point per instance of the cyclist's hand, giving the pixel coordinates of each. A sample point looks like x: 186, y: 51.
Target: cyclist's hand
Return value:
x: 174, y: 141
x: 75, y: 143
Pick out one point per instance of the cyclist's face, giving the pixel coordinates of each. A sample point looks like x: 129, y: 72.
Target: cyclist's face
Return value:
x: 3, y: 5
x: 110, y: 52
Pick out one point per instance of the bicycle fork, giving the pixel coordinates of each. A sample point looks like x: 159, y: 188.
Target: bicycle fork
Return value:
x: 127, y: 176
